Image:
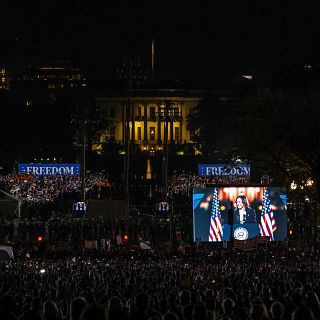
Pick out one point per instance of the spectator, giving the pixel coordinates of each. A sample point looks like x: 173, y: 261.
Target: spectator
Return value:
x: 302, y: 313
x: 51, y: 311
x: 115, y: 309
x: 94, y: 311
x: 76, y: 307
x: 141, y: 302
x: 7, y: 307
x: 276, y: 311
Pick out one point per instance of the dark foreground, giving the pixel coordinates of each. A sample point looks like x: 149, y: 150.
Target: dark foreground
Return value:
x: 280, y: 283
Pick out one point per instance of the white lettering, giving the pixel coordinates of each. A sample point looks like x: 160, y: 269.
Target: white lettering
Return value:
x: 69, y: 171
x: 226, y: 171
x: 217, y: 171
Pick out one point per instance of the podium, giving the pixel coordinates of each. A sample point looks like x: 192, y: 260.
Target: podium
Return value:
x: 243, y: 231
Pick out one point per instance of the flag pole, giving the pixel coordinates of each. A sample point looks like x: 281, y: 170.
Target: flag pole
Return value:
x: 152, y: 57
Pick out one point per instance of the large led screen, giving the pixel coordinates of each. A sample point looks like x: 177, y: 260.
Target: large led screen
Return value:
x: 242, y: 213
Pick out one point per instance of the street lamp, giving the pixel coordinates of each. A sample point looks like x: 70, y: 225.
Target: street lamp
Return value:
x: 166, y: 115
x: 83, y: 120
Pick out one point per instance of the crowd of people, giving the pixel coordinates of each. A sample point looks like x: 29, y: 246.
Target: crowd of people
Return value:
x: 65, y: 283
x: 183, y: 183
x: 60, y: 278
x: 47, y: 189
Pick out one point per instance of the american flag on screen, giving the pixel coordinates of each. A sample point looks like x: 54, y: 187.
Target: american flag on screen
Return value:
x: 267, y: 224
x: 215, y: 233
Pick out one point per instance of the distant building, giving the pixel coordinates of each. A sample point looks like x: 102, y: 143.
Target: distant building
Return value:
x: 150, y: 110
x: 6, y: 76
x: 53, y: 76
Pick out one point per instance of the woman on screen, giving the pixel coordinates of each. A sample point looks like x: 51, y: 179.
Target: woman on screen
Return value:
x: 243, y: 213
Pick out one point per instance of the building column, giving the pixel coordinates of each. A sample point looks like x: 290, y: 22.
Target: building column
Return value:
x: 171, y: 132
x: 133, y: 124
x: 145, y: 124
x: 159, y: 142
x: 180, y: 125
x: 124, y: 112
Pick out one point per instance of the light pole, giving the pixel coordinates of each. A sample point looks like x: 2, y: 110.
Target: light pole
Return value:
x: 165, y: 162
x: 82, y: 121
x: 85, y: 119
x: 83, y: 155
x: 130, y: 71
x: 166, y: 118
x: 127, y: 139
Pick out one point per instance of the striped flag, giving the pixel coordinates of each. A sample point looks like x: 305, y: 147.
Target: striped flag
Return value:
x: 215, y: 233
x: 119, y: 239
x: 144, y: 245
x: 267, y: 224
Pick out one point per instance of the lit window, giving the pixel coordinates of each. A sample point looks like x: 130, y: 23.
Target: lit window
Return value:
x: 176, y: 133
x: 139, y: 133
x: 152, y: 111
x: 152, y: 133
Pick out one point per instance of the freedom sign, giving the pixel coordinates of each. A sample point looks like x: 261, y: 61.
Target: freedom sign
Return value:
x: 223, y: 170
x: 49, y: 169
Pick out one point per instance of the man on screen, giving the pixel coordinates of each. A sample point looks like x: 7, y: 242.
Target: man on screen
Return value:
x: 243, y: 213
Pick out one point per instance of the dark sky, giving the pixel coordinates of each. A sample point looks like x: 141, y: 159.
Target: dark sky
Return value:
x: 193, y: 38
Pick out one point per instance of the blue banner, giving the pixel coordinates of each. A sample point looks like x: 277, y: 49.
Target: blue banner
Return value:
x: 49, y: 169
x: 223, y: 170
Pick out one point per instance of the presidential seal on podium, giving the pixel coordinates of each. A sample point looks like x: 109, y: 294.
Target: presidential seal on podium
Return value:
x: 241, y: 233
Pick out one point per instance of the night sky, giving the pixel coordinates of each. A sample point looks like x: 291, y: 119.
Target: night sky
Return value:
x: 197, y: 39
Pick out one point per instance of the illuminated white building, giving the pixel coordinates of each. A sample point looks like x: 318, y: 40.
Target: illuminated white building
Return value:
x: 149, y: 111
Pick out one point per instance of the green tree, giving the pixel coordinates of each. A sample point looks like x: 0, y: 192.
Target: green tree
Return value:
x: 280, y: 128
x: 275, y: 130
x: 212, y: 129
